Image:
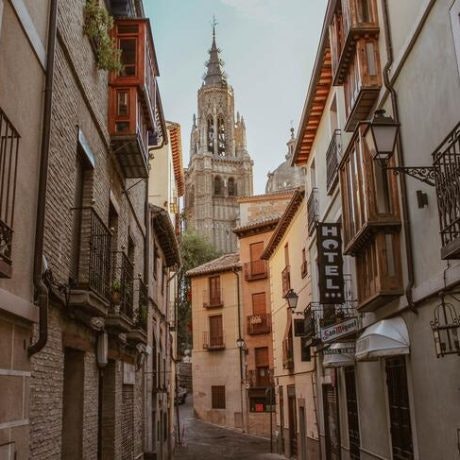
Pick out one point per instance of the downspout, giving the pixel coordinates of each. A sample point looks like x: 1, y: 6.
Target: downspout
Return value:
x: 41, y: 290
x: 400, y: 156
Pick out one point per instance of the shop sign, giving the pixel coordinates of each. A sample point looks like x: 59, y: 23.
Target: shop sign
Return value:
x: 331, y: 333
x: 330, y: 263
x: 341, y: 348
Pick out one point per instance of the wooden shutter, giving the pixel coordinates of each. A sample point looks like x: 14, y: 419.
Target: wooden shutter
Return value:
x: 261, y: 357
x: 215, y: 330
x: 218, y: 396
x: 258, y: 304
x: 214, y: 290
x: 257, y: 265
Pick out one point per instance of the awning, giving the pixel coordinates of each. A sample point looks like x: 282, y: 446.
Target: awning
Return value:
x: 388, y: 337
x: 339, y: 355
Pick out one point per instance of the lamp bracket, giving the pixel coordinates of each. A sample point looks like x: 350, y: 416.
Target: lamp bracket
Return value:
x: 425, y: 174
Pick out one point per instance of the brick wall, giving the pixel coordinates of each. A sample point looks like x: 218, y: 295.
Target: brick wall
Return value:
x: 127, y: 423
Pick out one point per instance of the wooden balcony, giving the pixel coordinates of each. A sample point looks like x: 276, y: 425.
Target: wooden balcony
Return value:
x: 255, y: 270
x: 369, y: 196
x: 312, y: 210
x: 213, y: 298
x: 353, y: 20
x: 259, y: 324
x: 213, y: 342
x: 132, y: 97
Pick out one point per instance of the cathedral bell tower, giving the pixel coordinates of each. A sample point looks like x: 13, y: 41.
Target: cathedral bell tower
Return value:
x: 220, y: 168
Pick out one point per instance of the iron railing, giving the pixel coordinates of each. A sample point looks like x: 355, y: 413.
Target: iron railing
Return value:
x: 446, y: 162
x: 259, y: 324
x: 332, y: 159
x: 312, y: 210
x: 94, y: 253
x: 213, y: 298
x: 123, y: 278
x: 260, y: 378
x: 212, y: 342
x: 255, y: 270
x: 286, y: 279
x: 9, y: 148
x: 143, y: 307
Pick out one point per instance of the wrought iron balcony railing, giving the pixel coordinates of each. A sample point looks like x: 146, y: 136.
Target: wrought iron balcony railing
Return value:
x: 143, y: 307
x: 9, y: 148
x: 213, y: 298
x: 446, y: 164
x: 286, y: 279
x: 259, y: 324
x: 260, y: 378
x: 255, y: 270
x: 312, y: 210
x: 213, y: 342
x: 94, y: 254
x: 123, y: 282
x: 332, y: 159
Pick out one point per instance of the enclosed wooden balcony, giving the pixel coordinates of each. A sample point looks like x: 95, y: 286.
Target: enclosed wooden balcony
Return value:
x: 132, y: 97
x: 259, y: 324
x: 352, y: 21
x: 369, y: 196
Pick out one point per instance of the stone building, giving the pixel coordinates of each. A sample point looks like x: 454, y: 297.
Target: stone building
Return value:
x: 220, y: 168
x: 25, y: 36
x: 88, y: 382
x: 286, y: 176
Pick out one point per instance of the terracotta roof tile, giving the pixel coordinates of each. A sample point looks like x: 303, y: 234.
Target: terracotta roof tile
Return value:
x: 223, y: 263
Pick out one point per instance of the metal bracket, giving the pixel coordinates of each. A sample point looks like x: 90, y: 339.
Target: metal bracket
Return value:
x: 425, y: 174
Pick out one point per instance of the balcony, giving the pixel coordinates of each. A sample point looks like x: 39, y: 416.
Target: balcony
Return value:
x: 213, y: 298
x: 132, y: 97
x: 332, y: 160
x: 446, y: 160
x: 286, y: 279
x: 310, y: 329
x: 260, y: 378
x: 141, y: 316
x: 9, y: 149
x: 259, y: 324
x: 121, y: 314
x: 312, y: 210
x: 213, y: 342
x: 353, y: 19
x: 255, y: 270
x: 91, y: 290
x: 369, y: 196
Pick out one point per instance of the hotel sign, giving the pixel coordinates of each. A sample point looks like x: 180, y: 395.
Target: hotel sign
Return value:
x: 330, y: 263
x: 331, y: 333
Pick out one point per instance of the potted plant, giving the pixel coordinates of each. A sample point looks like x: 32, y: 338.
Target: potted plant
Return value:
x: 142, y: 316
x: 98, y: 24
x: 116, y: 293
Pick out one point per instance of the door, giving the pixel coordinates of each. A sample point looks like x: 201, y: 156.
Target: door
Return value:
x: 257, y: 265
x: 215, y: 331
x: 398, y: 399
x: 214, y: 290
x: 331, y: 423
x: 352, y: 413
x: 303, y: 433
x: 292, y: 425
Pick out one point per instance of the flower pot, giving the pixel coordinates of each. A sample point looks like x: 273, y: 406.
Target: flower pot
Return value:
x: 116, y: 297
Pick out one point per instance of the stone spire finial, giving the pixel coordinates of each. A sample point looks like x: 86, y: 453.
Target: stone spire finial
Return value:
x: 214, y: 74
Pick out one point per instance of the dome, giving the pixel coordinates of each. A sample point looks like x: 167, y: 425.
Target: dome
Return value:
x: 285, y: 176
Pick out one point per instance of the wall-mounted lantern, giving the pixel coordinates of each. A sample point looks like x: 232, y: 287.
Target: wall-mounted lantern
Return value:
x: 292, y: 299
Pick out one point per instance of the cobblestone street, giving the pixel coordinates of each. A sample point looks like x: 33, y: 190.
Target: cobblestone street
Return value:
x: 204, y: 441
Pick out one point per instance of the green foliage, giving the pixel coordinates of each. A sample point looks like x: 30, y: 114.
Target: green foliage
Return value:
x: 116, y: 286
x: 142, y: 316
x: 98, y: 24
x: 195, y: 250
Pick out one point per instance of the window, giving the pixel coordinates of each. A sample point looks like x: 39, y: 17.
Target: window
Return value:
x: 218, y: 186
x: 262, y: 367
x: 214, y: 290
x: 259, y: 304
x: 123, y: 103
x: 218, y: 396
x: 231, y: 187
x: 210, y: 135
x: 216, y: 334
x: 286, y: 255
x: 304, y: 266
x: 155, y: 260
x: 261, y: 402
x: 9, y: 148
x: 305, y: 351
x: 221, y: 136
x: 128, y: 47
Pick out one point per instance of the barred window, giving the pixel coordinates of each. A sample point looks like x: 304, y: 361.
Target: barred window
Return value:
x: 218, y: 396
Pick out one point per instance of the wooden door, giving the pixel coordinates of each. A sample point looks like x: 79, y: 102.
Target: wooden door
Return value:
x: 214, y: 290
x: 292, y: 426
x: 331, y: 423
x: 215, y: 331
x: 352, y: 413
x: 258, y: 304
x: 257, y: 265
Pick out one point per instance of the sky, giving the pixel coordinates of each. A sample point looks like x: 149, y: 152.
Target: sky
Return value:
x: 268, y: 47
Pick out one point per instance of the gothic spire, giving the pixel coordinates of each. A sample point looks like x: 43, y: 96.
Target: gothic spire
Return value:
x: 214, y: 74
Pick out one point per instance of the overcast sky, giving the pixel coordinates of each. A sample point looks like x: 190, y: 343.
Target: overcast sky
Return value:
x: 268, y: 47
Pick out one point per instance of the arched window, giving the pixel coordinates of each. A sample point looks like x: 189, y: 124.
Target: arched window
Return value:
x: 218, y: 186
x: 210, y: 135
x: 231, y: 187
x: 221, y: 136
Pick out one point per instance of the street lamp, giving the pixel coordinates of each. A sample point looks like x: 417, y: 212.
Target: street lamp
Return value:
x: 381, y: 136
x: 240, y: 343
x: 292, y: 299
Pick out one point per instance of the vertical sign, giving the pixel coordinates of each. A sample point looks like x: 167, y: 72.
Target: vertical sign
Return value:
x: 330, y: 263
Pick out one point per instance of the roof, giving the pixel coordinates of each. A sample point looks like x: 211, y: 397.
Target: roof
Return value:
x: 227, y: 262
x: 214, y: 74
x: 164, y: 230
x: 257, y: 226
x: 318, y: 92
x: 267, y: 196
x: 176, y: 148
x: 283, y: 223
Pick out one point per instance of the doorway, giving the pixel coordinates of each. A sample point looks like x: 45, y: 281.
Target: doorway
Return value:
x: 302, y: 433
x: 331, y: 423
x: 352, y: 413
x: 292, y: 415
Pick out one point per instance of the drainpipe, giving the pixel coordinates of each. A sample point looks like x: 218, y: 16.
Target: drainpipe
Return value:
x: 41, y: 290
x: 400, y: 156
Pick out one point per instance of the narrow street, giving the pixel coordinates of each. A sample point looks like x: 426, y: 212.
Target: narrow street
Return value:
x: 204, y: 441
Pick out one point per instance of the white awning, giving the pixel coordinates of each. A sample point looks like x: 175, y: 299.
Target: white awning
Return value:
x: 388, y: 337
x: 339, y: 355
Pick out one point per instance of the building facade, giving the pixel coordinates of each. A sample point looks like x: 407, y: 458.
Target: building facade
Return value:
x: 218, y: 354
x: 384, y: 312
x: 220, y: 168
x: 25, y: 33
x: 87, y: 387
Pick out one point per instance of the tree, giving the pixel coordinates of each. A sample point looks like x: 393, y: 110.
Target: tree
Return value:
x: 195, y: 250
